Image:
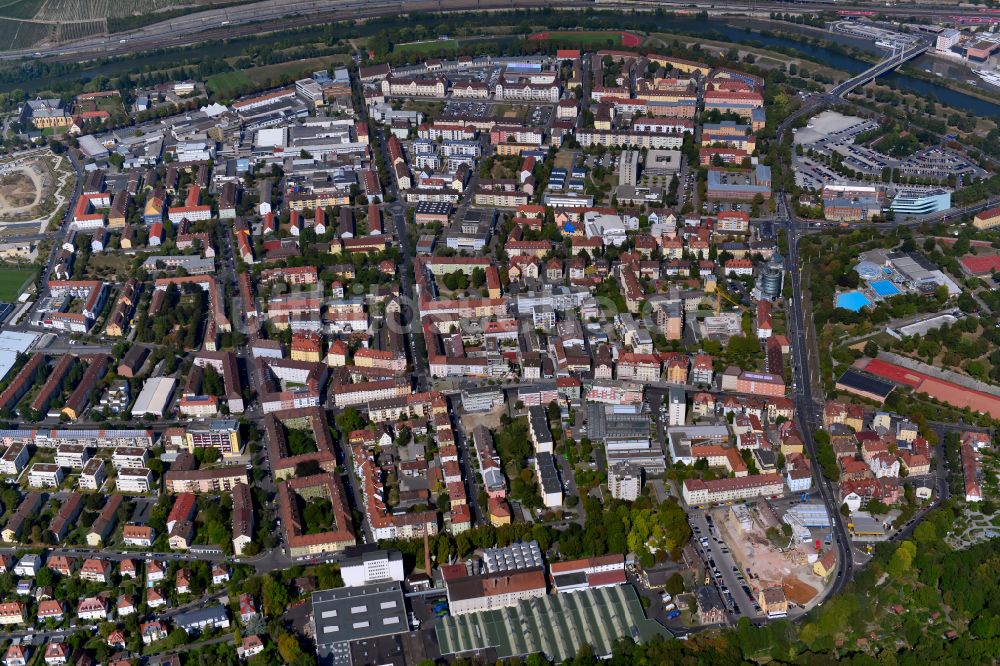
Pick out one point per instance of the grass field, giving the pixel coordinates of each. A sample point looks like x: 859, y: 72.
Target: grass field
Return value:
x: 227, y: 84
x: 12, y: 281
x: 109, y: 265
x: 517, y: 112
x: 429, y: 108
x: 437, y: 47
x: 296, y: 68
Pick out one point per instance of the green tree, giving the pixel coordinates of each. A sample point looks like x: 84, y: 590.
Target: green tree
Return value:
x: 900, y: 562
x: 349, y: 420
x: 675, y: 584
x: 275, y: 596
x: 925, y: 533
x: 289, y: 648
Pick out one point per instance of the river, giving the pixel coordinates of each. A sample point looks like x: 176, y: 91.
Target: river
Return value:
x: 722, y: 30
x: 832, y: 58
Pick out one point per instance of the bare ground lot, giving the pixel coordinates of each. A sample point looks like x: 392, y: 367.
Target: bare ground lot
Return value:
x: 20, y: 190
x: 33, y: 187
x: 489, y: 419
x: 790, y: 569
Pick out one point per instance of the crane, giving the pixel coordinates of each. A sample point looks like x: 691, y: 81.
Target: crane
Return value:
x: 721, y: 293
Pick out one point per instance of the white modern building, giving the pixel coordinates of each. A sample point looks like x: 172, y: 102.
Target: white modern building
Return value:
x: 625, y: 481
x: 134, y: 480
x: 678, y: 407
x: 372, y: 567
x: 45, y: 475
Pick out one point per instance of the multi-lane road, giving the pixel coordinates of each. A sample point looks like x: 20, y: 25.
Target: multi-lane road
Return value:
x: 275, y: 15
x: 808, y: 406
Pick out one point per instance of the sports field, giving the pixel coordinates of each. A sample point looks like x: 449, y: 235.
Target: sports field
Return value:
x: 588, y: 38
x: 12, y: 281
x: 227, y: 84
x: 436, y: 47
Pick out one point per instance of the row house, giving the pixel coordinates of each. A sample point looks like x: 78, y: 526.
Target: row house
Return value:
x: 414, y: 87
x: 638, y: 367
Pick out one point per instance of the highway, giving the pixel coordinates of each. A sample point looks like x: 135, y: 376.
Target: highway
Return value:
x: 248, y: 20
x: 275, y: 15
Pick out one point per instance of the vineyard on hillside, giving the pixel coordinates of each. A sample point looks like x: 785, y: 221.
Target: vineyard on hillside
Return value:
x: 25, y: 24
x: 16, y: 34
x: 20, y: 9
x: 92, y: 10
x: 68, y: 32
x: 74, y: 10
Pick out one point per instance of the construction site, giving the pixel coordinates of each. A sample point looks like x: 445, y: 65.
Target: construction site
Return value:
x: 33, y: 187
x: 770, y: 550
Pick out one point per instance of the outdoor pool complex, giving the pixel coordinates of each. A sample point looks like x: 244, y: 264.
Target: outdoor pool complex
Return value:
x: 885, y: 288
x: 853, y: 301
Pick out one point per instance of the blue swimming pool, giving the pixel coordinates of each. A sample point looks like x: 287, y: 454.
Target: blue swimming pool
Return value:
x: 885, y: 288
x: 852, y: 300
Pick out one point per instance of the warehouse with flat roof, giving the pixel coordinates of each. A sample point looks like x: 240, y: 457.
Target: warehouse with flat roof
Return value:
x: 346, y: 614
x: 154, y: 397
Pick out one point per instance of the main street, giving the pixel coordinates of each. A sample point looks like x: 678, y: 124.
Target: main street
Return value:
x: 807, y: 406
x: 803, y: 346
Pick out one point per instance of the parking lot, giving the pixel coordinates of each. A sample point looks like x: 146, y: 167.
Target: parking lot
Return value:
x: 472, y: 110
x: 832, y: 133
x: 716, y: 207
x: 538, y: 115
x: 609, y: 161
x: 487, y: 75
x: 810, y: 173
x: 727, y: 578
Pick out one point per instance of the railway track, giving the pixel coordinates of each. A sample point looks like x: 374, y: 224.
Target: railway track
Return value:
x: 272, y: 16
x: 185, y: 31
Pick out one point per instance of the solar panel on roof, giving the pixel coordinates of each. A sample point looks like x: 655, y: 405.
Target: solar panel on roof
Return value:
x: 852, y: 379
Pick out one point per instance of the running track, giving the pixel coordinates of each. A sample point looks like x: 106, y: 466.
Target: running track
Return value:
x: 947, y: 392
